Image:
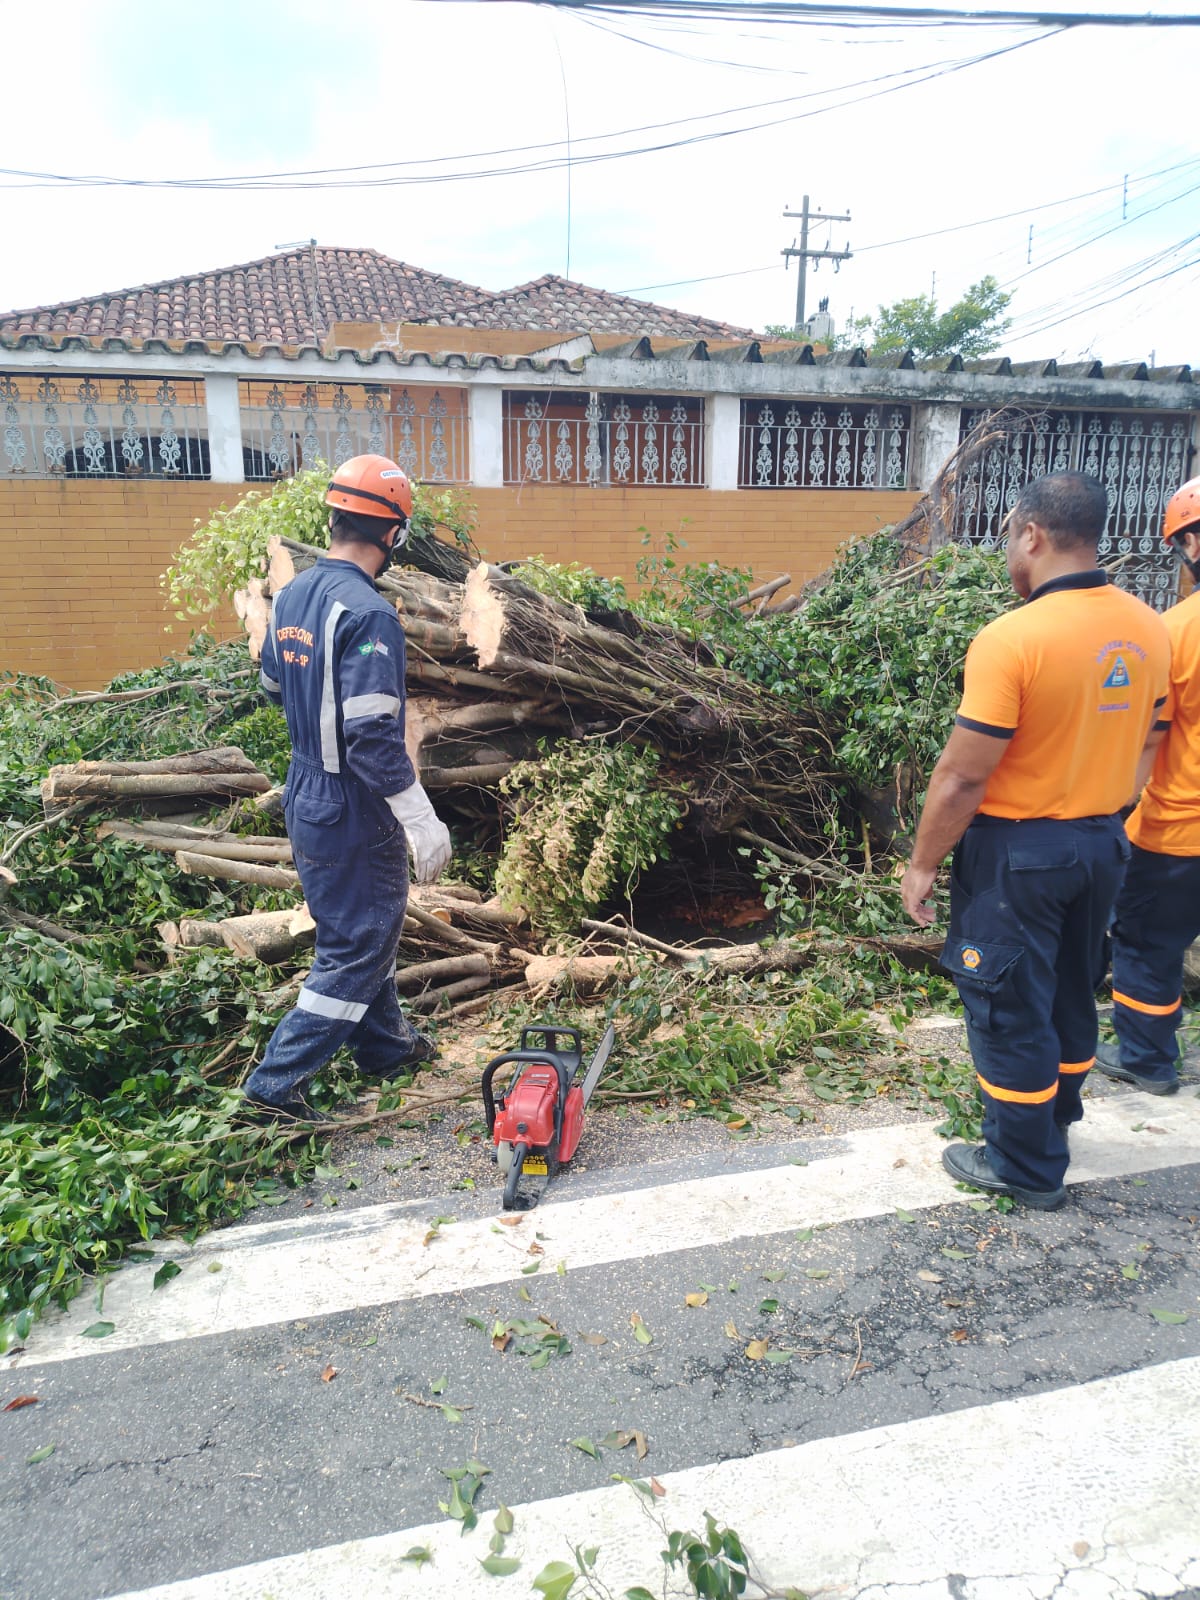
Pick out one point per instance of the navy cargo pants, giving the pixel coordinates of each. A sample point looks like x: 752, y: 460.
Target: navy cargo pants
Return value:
x: 1157, y: 918
x: 356, y: 889
x: 1029, y: 909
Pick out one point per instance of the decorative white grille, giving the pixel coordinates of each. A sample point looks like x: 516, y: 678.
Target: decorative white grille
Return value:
x: 793, y: 445
x: 289, y: 426
x: 602, y: 440
x: 1141, y: 458
x: 63, y: 425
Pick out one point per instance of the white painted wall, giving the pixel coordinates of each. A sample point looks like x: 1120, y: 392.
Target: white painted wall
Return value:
x: 486, y: 415
x: 723, y: 421
x: 224, y: 428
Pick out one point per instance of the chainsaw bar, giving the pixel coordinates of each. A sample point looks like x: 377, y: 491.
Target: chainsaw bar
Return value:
x: 598, y: 1062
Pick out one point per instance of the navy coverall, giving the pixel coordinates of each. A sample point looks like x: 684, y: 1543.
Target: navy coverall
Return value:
x: 334, y: 659
x: 1070, y: 684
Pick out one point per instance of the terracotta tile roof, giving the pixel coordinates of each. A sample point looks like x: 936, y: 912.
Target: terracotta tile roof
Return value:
x: 557, y: 303
x: 267, y: 301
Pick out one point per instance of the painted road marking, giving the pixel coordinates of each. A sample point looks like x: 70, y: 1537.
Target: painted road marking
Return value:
x: 282, y: 1270
x: 1082, y: 1492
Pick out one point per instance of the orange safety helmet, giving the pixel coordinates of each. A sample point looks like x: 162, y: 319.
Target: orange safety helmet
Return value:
x: 371, y: 486
x: 1183, y: 511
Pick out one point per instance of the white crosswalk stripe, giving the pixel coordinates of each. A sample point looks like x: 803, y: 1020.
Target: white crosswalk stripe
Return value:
x: 1083, y: 1492
x: 282, y: 1270
x: 1077, y: 1491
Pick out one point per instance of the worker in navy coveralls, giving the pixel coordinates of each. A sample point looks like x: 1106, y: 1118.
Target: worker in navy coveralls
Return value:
x: 1059, y: 703
x: 334, y: 659
x: 1158, y: 910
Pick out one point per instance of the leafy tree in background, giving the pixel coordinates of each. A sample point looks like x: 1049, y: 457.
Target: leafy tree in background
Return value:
x: 972, y: 326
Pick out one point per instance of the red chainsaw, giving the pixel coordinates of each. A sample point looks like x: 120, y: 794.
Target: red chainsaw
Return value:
x: 535, y: 1123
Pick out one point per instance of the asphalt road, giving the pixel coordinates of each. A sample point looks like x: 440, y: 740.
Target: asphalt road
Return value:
x: 887, y: 1389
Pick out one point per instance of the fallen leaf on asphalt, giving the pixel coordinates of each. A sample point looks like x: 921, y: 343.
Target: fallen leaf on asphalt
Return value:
x: 523, y: 1293
x: 621, y: 1438
x: 904, y: 1216
x: 756, y: 1349
x: 804, y: 1235
x: 929, y: 1277
x: 695, y: 1300
x: 731, y: 1331
x: 21, y: 1401
x: 510, y: 1222
x: 774, y: 1277
x: 817, y: 1272
x: 561, y: 1269
x: 778, y: 1357
x: 43, y: 1454
x: 737, y: 1122
x: 979, y: 1205
x: 1129, y: 1270
x: 640, y: 1331
x: 586, y: 1445
x: 768, y: 1308
x: 593, y: 1338
x: 438, y: 1386
x: 959, y: 1335
x: 329, y: 1374
x: 1169, y: 1317
x: 956, y: 1255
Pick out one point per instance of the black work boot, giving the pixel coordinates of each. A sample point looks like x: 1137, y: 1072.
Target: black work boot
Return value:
x: 969, y: 1164
x: 1108, y: 1061
x: 264, y: 1112
x: 424, y: 1049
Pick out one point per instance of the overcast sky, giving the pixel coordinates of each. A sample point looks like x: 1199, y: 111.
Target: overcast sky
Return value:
x: 139, y: 89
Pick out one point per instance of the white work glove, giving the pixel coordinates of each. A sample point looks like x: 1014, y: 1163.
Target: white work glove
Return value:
x: 428, y: 836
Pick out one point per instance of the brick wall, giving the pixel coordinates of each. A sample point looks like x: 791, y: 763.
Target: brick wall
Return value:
x: 79, y: 595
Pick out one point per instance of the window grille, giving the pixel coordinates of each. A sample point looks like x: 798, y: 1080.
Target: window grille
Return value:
x: 603, y: 440
x: 63, y: 425
x: 287, y: 426
x: 1140, y: 457
x: 788, y: 444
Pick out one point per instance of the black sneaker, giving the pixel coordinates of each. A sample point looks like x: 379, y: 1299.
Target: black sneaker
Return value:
x: 1108, y: 1061
x: 969, y: 1164
x: 296, y: 1109
x: 424, y: 1049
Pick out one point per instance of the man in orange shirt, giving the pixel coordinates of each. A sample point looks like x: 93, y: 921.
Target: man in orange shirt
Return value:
x: 1058, y: 703
x: 1158, y: 909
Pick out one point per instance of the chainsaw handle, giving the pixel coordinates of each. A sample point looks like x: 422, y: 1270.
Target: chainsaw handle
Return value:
x: 489, y: 1072
x: 550, y: 1033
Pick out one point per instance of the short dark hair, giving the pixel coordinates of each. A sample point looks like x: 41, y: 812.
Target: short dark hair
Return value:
x: 1071, y: 506
x: 351, y: 527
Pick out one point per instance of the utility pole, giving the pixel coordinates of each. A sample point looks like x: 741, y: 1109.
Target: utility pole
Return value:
x: 806, y: 255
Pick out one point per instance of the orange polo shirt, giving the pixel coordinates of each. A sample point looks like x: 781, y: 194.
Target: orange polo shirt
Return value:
x: 1168, y: 819
x: 1072, y: 680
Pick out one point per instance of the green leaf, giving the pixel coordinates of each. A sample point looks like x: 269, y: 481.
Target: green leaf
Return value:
x: 1131, y: 1270
x: 586, y: 1445
x: 99, y: 1330
x: 904, y: 1216
x: 816, y: 1272
x: 533, y: 1266
x: 804, y: 1235
x: 165, y: 1273
x: 452, y: 1413
x: 438, y: 1385
x: 504, y: 1520
x: 768, y: 1308
x: 778, y: 1358
x: 956, y: 1255
x: 420, y: 1555
x: 638, y: 1593
x: 44, y: 1454
x: 500, y: 1566
x: 556, y: 1580
x: 774, y: 1277
x: 1171, y: 1318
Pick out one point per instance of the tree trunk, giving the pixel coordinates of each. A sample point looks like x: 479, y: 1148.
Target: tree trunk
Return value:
x: 203, y: 866
x: 269, y: 936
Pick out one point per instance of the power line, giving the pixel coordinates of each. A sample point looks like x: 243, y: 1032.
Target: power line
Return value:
x: 319, y: 180
x: 849, y: 14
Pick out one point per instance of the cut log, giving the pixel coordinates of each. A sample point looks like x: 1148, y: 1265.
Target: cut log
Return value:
x: 431, y: 999
x: 62, y: 786
x: 226, y: 847
x: 423, y: 973
x: 204, y: 866
x: 191, y: 933
x: 270, y: 803
x: 269, y: 936
x: 585, y: 974
x: 226, y: 758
